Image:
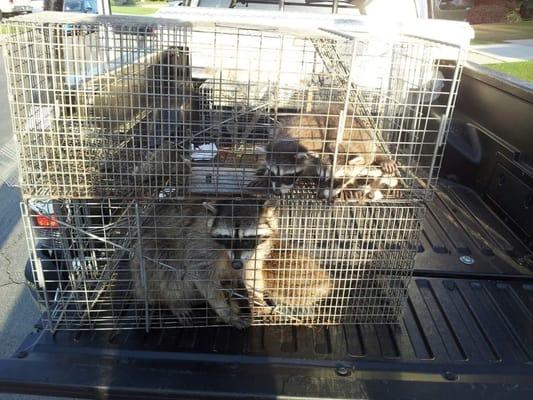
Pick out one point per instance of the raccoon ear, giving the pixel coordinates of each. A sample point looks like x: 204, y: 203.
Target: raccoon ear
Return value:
x: 357, y: 160
x: 302, y: 155
x: 210, y: 206
x: 261, y: 149
x: 313, y: 154
x: 270, y: 207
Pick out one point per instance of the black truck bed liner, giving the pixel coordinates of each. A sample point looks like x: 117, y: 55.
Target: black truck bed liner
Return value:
x: 467, y: 332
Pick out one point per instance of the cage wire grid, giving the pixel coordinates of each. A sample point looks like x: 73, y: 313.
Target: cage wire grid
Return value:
x: 324, y: 265
x: 171, y: 124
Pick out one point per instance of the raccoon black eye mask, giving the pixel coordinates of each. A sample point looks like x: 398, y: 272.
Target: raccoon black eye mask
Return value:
x: 243, y: 228
x: 308, y: 146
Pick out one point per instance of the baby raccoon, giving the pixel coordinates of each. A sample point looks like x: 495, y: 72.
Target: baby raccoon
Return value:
x: 372, y: 189
x: 295, y: 282
x: 305, y: 146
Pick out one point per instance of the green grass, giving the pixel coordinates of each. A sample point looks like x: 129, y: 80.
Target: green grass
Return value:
x: 521, y: 69
x: 148, y: 9
x: 498, y: 33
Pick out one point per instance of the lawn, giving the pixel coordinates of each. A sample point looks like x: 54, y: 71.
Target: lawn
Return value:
x: 498, y: 33
x: 522, y: 69
x: 148, y: 9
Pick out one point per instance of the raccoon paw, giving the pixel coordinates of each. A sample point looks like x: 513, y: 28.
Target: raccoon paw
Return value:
x: 239, y: 322
x: 231, y: 315
x: 329, y: 193
x: 389, y: 181
x: 359, y: 195
x: 264, y: 309
x: 388, y: 166
x: 184, y: 317
x: 375, y: 195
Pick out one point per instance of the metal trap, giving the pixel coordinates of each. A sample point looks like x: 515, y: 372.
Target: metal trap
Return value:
x: 140, y: 136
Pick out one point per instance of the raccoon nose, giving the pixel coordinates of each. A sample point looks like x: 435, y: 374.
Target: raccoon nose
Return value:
x: 236, y: 264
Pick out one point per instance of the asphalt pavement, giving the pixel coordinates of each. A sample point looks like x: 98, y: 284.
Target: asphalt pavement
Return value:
x: 18, y: 312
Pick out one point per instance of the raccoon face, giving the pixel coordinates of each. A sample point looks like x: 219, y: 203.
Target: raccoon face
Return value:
x: 241, y: 226
x: 282, y: 184
x: 285, y: 162
x: 286, y: 157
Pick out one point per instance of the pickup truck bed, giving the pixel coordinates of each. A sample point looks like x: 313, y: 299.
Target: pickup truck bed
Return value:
x: 467, y: 332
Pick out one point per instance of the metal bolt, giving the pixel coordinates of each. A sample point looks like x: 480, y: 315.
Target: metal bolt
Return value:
x: 450, y: 285
x: 450, y: 376
x: 342, y: 370
x: 467, y: 260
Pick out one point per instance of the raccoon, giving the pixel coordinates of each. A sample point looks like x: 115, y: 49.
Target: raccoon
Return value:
x: 304, y: 146
x: 295, y: 281
x: 273, y: 275
x: 213, y: 246
x: 244, y: 228
x: 183, y: 266
x: 373, y: 189
x: 168, y: 165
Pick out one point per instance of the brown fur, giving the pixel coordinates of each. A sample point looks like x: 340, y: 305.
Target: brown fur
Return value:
x: 293, y: 278
x: 306, y: 146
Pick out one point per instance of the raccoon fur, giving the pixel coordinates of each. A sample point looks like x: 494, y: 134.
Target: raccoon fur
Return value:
x: 304, y: 146
x: 243, y: 229
x: 167, y: 165
x: 211, y: 247
x: 374, y: 189
x: 296, y: 282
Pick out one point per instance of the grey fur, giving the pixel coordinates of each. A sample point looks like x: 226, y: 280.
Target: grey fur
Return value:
x: 185, y: 265
x: 248, y: 219
x: 181, y: 264
x: 305, y: 145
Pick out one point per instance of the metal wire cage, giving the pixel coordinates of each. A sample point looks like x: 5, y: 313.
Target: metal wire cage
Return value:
x: 204, y: 173
x: 146, y: 265
x: 124, y: 108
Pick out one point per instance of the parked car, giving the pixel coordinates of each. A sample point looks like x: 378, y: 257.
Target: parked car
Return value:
x: 37, y: 5
x: 79, y: 6
x: 451, y: 9
x: 9, y: 8
x: 83, y: 6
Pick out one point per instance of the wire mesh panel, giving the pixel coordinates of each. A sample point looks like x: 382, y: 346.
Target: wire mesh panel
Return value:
x: 236, y: 262
x: 200, y: 173
x: 125, y: 108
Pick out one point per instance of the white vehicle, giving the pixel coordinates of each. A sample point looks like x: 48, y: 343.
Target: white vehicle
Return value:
x: 13, y: 7
x: 37, y: 5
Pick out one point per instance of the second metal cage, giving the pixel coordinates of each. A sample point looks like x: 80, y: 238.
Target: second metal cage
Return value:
x: 125, y: 108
